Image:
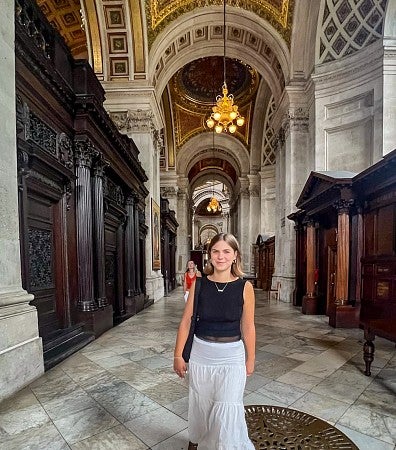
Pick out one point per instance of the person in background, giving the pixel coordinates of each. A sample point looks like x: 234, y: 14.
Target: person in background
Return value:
x: 223, y: 351
x: 190, y: 276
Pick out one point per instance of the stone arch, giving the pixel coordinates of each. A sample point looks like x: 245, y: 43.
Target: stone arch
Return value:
x: 226, y: 147
x: 207, y: 228
x: 255, y: 37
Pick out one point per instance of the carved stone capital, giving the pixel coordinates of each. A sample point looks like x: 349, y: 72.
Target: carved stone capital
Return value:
x: 168, y: 191
x: 297, y: 119
x: 134, y: 121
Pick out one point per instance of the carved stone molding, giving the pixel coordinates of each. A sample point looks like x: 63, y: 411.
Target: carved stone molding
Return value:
x: 296, y: 119
x: 280, y: 139
x: 168, y: 191
x: 134, y: 121
x: 254, y: 191
x: 159, y: 141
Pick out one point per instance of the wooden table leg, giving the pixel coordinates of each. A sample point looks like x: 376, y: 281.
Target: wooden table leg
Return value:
x: 368, y: 355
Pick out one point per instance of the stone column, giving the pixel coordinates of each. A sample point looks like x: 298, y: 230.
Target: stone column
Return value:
x: 293, y: 144
x: 267, y: 209
x: 254, y: 217
x: 85, y: 153
x: 310, y: 300
x: 183, y: 216
x: 243, y: 226
x: 98, y: 231
x: 21, y: 353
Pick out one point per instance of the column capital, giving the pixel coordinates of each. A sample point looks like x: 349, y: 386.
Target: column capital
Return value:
x: 168, y: 191
x: 296, y: 119
x: 85, y: 152
x: 137, y: 121
x: 343, y: 206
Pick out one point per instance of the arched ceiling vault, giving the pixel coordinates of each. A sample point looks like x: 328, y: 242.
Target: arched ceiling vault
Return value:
x: 227, y: 148
x: 201, y: 35
x: 276, y: 12
x: 151, y: 46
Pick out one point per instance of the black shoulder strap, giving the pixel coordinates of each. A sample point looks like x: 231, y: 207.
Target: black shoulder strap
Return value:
x: 196, y: 295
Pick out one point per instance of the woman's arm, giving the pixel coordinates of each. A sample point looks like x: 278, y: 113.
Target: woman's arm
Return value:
x: 199, y: 274
x: 248, y: 328
x: 179, y: 364
x: 185, y: 282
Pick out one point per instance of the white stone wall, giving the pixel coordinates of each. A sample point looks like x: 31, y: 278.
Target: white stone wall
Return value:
x: 21, y: 353
x: 348, y: 107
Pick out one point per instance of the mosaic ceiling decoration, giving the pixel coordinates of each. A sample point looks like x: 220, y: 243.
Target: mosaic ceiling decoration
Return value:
x: 278, y: 13
x: 194, y: 89
x: 350, y: 25
x: 64, y: 15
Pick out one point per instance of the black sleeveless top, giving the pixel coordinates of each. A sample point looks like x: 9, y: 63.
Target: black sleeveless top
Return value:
x: 220, y: 313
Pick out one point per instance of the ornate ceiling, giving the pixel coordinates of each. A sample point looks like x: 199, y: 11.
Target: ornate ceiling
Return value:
x: 117, y: 51
x: 277, y: 12
x: 194, y: 88
x: 64, y: 15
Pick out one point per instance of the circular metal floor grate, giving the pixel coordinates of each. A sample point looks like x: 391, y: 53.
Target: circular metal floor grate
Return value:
x: 278, y: 428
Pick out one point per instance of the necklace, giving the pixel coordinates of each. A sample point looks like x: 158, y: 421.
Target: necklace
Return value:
x: 217, y: 287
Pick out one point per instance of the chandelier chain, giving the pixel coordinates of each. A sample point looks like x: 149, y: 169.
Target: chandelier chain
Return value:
x: 225, y: 112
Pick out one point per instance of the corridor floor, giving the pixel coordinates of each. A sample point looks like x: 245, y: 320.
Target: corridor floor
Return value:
x: 120, y: 392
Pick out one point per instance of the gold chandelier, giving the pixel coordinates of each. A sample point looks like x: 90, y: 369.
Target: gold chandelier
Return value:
x: 213, y: 205
x: 225, y: 112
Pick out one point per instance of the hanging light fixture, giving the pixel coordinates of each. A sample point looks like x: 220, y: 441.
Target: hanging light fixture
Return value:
x: 214, y: 204
x: 225, y: 112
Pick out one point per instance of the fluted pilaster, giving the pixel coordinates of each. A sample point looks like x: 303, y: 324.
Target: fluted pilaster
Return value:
x: 85, y: 153
x: 98, y: 230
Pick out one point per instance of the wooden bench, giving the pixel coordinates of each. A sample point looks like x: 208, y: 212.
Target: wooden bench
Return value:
x: 385, y: 328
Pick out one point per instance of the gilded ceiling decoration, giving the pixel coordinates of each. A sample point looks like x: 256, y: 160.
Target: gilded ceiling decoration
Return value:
x: 277, y: 12
x: 65, y: 17
x: 194, y: 89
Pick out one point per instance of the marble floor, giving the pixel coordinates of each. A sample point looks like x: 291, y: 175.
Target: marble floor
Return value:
x: 119, y: 392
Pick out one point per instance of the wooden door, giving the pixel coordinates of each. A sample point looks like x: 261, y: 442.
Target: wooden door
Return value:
x: 42, y: 248
x: 111, y: 268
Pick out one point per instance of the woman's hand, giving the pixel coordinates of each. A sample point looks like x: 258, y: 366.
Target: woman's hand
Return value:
x: 249, y: 367
x: 179, y: 366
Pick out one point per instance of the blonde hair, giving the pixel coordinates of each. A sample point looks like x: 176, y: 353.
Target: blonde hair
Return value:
x: 195, y: 266
x: 230, y: 239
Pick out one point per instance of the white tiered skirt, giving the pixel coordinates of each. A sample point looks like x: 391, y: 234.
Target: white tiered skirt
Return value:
x: 217, y: 378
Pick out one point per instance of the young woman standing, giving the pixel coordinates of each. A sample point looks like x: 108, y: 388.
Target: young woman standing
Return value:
x: 190, y: 276
x: 223, y: 351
